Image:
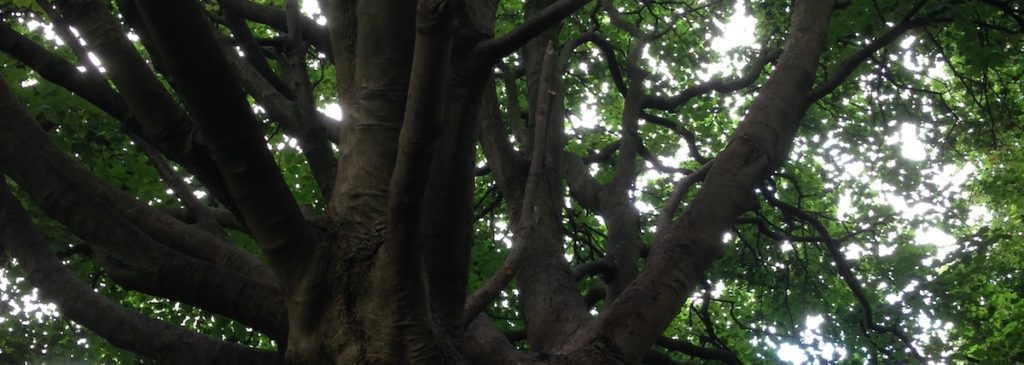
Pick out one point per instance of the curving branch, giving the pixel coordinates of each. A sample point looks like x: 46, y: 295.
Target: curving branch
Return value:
x: 688, y: 136
x: 220, y: 277
x: 593, y: 268
x: 122, y: 327
x: 485, y: 344
x: 496, y: 48
x: 680, y: 254
x: 850, y: 64
x: 527, y: 221
x: 682, y: 187
x: 846, y: 273
x: 608, y: 53
x: 751, y: 73
x: 691, y: 349
x: 278, y: 19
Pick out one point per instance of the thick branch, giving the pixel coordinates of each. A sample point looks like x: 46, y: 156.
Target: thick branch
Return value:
x: 315, y: 146
x: 96, y: 91
x: 526, y: 223
x: 681, y: 254
x: 55, y: 69
x: 278, y: 19
x: 698, y: 351
x: 212, y: 92
x: 399, y: 283
x: 123, y: 328
x: 93, y: 211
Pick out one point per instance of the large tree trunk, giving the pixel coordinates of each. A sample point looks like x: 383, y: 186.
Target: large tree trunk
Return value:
x: 381, y: 277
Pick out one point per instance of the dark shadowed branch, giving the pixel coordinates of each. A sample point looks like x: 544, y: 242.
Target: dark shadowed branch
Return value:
x: 507, y: 43
x: 123, y: 328
x: 752, y: 72
x: 211, y: 90
x: 851, y: 63
x: 277, y: 18
x: 199, y: 269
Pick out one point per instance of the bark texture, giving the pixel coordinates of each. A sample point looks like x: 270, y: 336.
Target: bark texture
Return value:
x: 380, y: 275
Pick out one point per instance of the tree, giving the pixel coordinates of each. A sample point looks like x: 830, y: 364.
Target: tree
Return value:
x: 548, y: 182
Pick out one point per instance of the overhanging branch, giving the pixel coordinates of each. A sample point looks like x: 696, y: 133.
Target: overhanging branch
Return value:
x: 211, y: 90
x: 494, y: 49
x: 123, y: 328
x: 850, y: 64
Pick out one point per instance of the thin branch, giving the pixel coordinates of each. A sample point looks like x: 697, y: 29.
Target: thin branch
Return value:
x: 619, y: 22
x: 195, y: 208
x: 688, y: 136
x: 278, y: 19
x: 752, y: 73
x: 254, y: 53
x: 1005, y: 7
x: 608, y: 53
x: 499, y: 47
x: 668, y: 211
x: 688, y: 348
x: 846, y: 273
x: 510, y: 268
x: 851, y: 63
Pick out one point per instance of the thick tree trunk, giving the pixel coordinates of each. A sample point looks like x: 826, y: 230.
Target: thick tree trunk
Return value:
x: 381, y: 277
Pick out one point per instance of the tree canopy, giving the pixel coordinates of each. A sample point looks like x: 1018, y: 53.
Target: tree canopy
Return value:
x: 511, y: 182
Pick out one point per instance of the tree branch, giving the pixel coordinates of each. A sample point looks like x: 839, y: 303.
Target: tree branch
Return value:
x: 680, y: 255
x: 527, y: 221
x: 846, y: 273
x: 93, y: 211
x: 96, y: 91
x: 682, y: 187
x: 751, y: 74
x: 254, y: 52
x: 212, y: 92
x: 123, y: 328
x: 315, y: 146
x: 278, y: 19
x: 698, y: 351
x: 499, y: 47
x: 850, y: 64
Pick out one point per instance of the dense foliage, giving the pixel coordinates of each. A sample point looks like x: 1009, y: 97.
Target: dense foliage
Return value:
x: 889, y: 232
